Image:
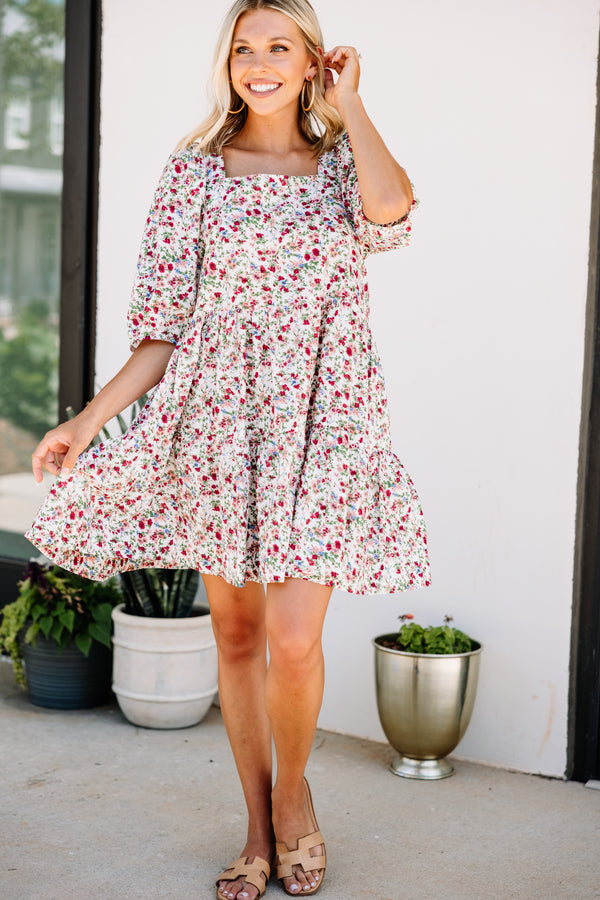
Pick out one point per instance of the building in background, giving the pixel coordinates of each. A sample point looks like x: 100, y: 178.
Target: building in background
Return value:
x: 31, y: 158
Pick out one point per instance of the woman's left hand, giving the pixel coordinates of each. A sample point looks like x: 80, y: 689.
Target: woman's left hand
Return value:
x: 343, y: 61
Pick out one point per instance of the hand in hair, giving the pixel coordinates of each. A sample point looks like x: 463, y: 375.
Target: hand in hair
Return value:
x: 344, y: 62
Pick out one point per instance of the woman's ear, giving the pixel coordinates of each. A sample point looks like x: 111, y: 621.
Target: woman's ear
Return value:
x: 313, y: 67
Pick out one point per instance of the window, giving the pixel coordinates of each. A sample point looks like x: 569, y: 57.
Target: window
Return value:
x: 32, y: 55
x: 17, y: 118
x: 56, y: 124
x: 49, y: 89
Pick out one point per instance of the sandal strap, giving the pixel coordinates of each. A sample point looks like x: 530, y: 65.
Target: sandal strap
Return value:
x: 256, y: 873
x: 287, y: 858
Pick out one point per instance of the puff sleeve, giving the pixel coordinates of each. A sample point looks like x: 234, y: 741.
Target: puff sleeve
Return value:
x: 165, y: 286
x: 373, y: 238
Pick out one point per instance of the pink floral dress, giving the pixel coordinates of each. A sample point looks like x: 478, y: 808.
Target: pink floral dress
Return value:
x: 264, y: 452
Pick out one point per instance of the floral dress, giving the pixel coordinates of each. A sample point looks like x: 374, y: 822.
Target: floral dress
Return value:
x: 264, y: 452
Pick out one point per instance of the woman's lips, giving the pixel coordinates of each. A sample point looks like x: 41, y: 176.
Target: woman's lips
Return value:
x: 263, y: 90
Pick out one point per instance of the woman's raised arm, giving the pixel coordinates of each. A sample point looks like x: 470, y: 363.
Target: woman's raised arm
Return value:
x: 384, y: 185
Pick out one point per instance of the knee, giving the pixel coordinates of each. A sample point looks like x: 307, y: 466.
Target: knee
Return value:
x: 238, y: 636
x: 294, y: 651
x: 238, y: 618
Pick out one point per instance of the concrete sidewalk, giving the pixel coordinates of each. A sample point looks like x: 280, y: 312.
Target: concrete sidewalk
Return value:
x: 93, y: 807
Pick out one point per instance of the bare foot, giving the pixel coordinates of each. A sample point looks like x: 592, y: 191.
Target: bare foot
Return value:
x: 292, y: 819
x: 240, y: 889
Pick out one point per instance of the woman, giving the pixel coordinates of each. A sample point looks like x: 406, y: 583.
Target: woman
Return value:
x: 263, y: 458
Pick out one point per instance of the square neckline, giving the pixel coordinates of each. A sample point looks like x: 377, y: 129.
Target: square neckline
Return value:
x: 320, y: 171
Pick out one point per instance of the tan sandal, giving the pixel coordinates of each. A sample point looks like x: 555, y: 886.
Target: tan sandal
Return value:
x: 287, y: 859
x: 256, y: 873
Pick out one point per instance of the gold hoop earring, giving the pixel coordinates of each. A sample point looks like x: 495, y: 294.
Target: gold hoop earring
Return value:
x: 308, y: 108
x: 234, y: 112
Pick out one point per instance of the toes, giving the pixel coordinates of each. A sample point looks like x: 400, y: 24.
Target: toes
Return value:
x: 238, y: 890
x: 312, y: 879
x: 248, y: 892
x: 295, y: 883
x: 301, y: 881
x: 301, y: 878
x: 308, y: 879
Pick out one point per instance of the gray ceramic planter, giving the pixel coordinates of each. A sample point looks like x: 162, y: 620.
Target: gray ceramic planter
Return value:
x: 66, y: 679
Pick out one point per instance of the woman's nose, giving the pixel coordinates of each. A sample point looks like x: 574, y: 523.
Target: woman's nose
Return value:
x: 260, y: 60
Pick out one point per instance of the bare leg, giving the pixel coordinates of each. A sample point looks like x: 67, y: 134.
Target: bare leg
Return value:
x: 294, y: 692
x: 238, y: 618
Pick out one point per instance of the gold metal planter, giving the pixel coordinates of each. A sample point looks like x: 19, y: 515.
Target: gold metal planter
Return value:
x: 425, y: 703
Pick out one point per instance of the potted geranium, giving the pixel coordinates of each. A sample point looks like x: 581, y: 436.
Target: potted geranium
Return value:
x: 426, y: 680
x: 165, y: 655
x: 58, y: 635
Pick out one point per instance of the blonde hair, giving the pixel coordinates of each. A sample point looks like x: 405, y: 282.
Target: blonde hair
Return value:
x: 321, y: 126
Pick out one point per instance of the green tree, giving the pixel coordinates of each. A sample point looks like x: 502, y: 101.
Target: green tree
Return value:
x: 28, y: 371
x: 31, y: 60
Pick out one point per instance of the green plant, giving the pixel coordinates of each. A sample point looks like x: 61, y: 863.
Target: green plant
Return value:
x: 31, y: 49
x: 163, y: 593
x: 63, y: 606
x: 28, y: 370
x: 441, y: 639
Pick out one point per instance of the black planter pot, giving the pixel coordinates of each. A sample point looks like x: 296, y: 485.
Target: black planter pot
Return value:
x: 66, y: 679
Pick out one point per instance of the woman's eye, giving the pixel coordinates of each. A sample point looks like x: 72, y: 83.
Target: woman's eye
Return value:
x: 276, y: 48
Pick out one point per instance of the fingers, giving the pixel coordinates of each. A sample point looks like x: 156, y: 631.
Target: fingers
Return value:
x: 339, y: 56
x: 59, y: 449
x: 48, y: 455
x: 55, y: 454
x: 39, y: 461
x: 344, y: 61
x: 70, y: 460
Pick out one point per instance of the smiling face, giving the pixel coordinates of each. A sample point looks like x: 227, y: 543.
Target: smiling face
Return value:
x: 269, y: 61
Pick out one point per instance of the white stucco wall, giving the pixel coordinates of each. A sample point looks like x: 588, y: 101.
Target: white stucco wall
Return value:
x: 480, y: 324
